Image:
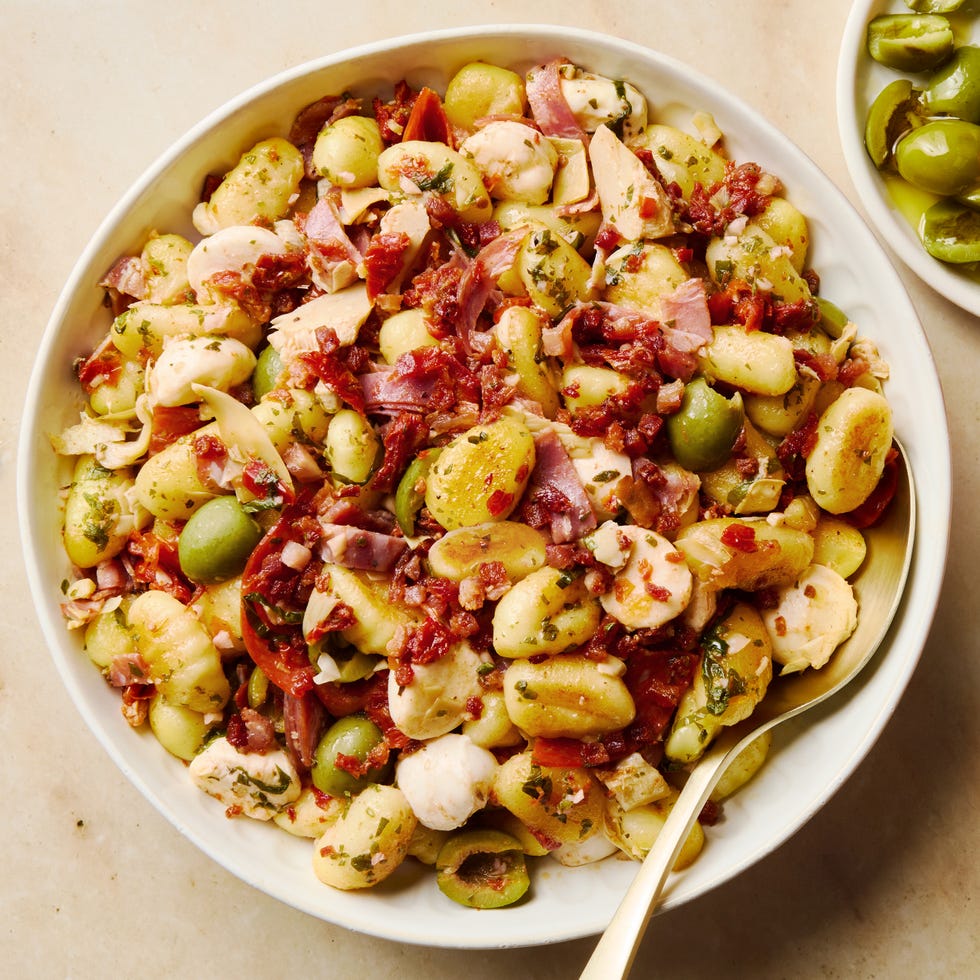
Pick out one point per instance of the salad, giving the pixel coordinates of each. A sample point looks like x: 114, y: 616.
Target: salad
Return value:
x: 483, y: 455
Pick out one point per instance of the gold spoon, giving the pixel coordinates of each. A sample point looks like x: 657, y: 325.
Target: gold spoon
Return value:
x: 879, y: 589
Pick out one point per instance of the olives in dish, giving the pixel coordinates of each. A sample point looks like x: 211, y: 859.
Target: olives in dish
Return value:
x: 923, y: 133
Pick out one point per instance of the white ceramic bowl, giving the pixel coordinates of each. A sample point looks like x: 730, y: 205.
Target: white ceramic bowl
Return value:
x: 859, y: 79
x: 811, y: 757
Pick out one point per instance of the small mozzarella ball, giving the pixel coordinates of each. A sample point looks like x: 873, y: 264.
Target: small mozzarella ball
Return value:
x: 446, y: 781
x: 233, y: 249
x: 435, y: 701
x: 218, y: 362
x: 812, y: 617
x: 596, y: 100
x: 256, y: 785
x: 655, y: 585
x: 516, y: 161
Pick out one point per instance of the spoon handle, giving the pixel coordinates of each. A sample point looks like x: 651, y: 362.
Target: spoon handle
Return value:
x: 617, y: 948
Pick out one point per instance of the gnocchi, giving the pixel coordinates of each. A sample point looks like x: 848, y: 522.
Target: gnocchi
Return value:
x: 475, y: 460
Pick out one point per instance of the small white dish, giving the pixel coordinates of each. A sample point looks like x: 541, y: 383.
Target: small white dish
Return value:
x: 811, y: 758
x: 859, y: 79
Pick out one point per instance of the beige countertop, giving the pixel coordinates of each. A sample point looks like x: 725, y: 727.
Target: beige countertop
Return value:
x: 883, y: 882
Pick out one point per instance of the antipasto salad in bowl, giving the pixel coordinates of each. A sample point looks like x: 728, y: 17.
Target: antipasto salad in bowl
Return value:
x: 481, y: 454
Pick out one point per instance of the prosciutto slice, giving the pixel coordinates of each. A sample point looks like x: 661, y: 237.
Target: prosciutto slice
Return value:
x: 479, y: 283
x: 555, y: 486
x: 332, y: 257
x: 388, y: 392
x: 549, y: 106
x: 354, y: 547
x: 686, y: 319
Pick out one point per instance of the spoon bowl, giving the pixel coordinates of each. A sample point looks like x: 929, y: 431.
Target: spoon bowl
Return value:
x: 878, y: 587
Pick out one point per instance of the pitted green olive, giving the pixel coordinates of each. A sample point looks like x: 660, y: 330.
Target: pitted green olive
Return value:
x: 353, y: 737
x: 934, y: 6
x: 951, y: 232
x: 942, y: 156
x: 892, y: 114
x: 954, y: 89
x: 482, y: 869
x: 268, y: 368
x: 703, y: 432
x: 910, y: 42
x: 217, y: 540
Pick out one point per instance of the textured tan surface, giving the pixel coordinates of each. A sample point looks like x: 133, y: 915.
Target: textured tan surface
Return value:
x: 884, y: 882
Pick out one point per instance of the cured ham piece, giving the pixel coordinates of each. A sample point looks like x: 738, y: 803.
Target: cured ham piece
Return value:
x: 332, y: 257
x: 127, y: 277
x: 389, y: 391
x: 128, y: 668
x: 354, y: 547
x: 549, y: 106
x: 685, y: 317
x: 479, y: 283
x: 556, y: 489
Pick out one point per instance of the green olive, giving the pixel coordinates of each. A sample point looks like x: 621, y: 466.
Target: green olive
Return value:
x: 703, y: 432
x: 954, y: 89
x: 410, y: 494
x: 217, y: 540
x: 354, y: 736
x: 951, y: 232
x: 892, y: 114
x: 942, y: 156
x: 833, y: 319
x: 910, y: 42
x: 268, y: 368
x: 482, y: 869
x: 970, y: 197
x: 934, y: 6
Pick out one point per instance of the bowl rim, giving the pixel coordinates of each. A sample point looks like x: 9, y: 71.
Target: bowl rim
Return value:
x: 916, y: 623
x: 854, y: 69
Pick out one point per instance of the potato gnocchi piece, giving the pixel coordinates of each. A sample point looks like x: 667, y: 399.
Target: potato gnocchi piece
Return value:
x: 755, y: 361
x: 182, y: 659
x: 378, y: 619
x: 745, y: 553
x: 547, y: 612
x: 459, y: 554
x: 567, y: 696
x: 733, y: 676
x: 557, y: 804
x: 853, y: 438
x: 100, y: 512
x: 309, y: 814
x: 479, y: 90
x: 179, y: 729
x: 164, y: 260
x: 682, y: 159
x: 259, y: 187
x: 481, y: 474
x: 635, y: 831
x: 143, y: 329
x: 367, y: 842
x: 416, y: 167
